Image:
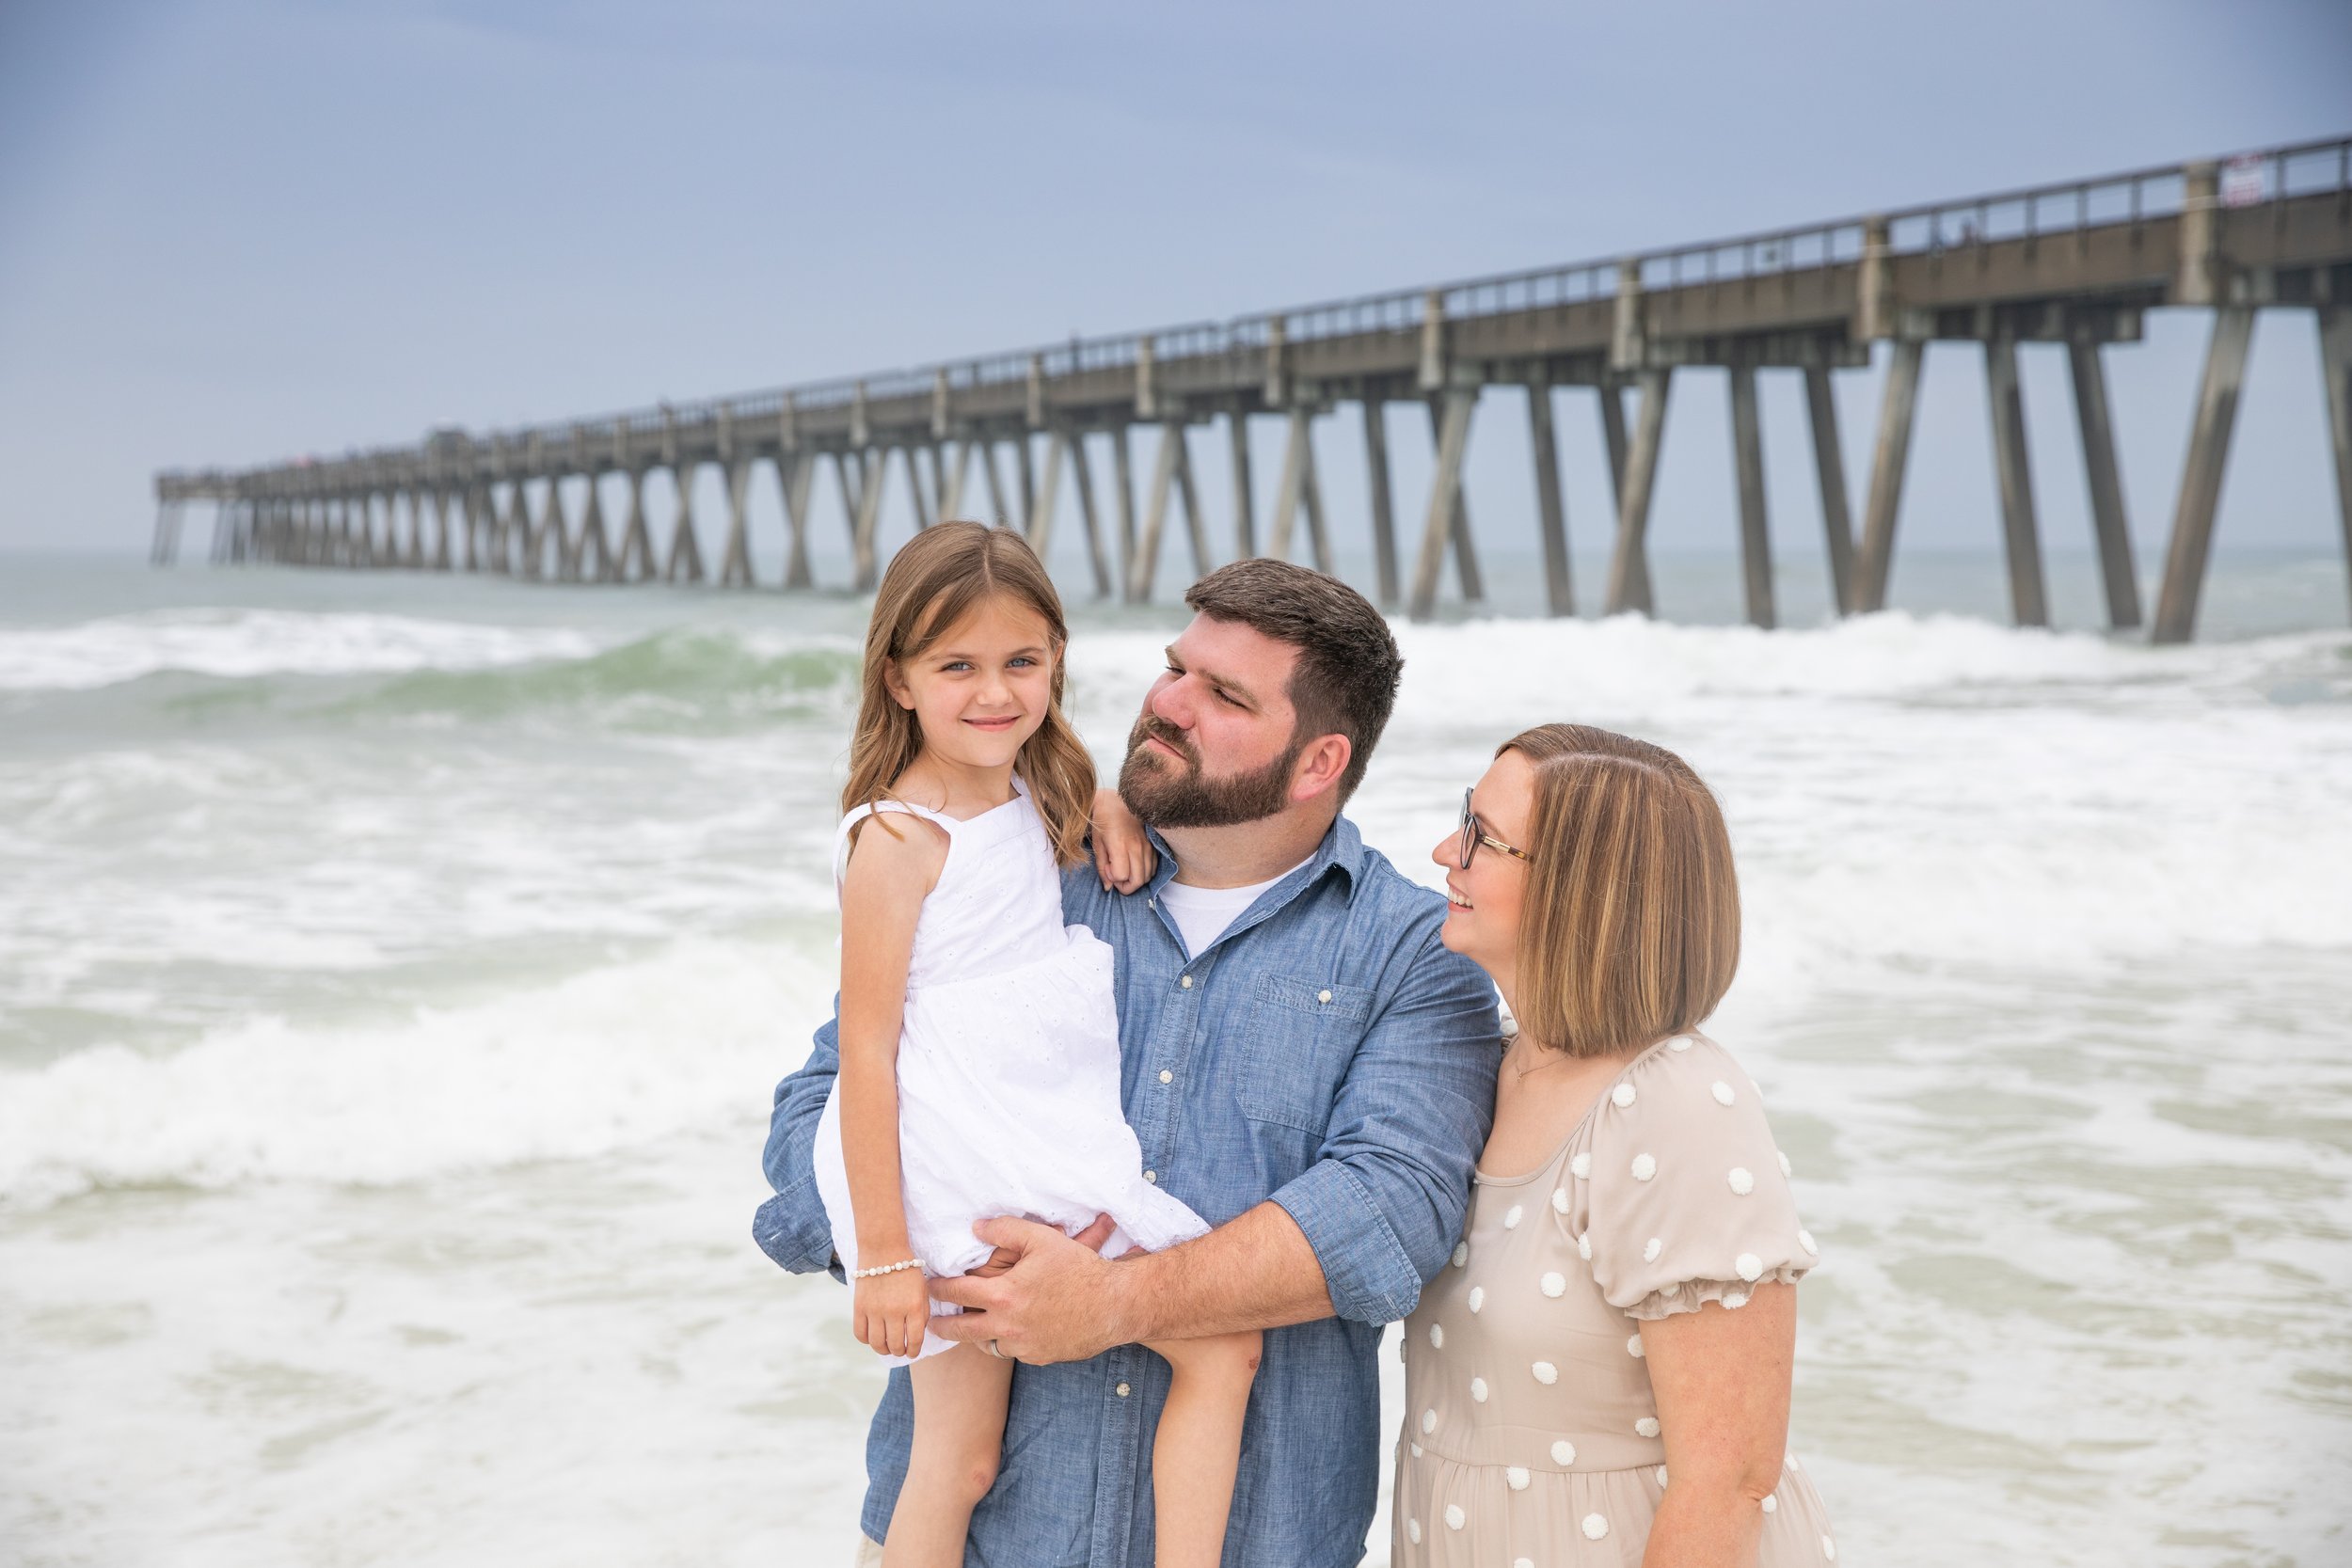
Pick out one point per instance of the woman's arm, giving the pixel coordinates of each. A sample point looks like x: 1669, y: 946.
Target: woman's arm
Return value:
x: 883, y: 890
x: 1722, y: 1382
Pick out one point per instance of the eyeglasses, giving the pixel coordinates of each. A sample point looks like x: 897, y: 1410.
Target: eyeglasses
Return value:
x: 1473, y: 834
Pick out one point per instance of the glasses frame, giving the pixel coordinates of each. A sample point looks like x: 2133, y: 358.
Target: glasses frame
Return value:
x: 1475, y: 834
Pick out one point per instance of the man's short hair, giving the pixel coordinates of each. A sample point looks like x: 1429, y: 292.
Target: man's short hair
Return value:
x: 1348, y: 666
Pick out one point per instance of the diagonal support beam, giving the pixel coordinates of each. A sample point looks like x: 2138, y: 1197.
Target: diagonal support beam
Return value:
x: 1298, y: 454
x: 1166, y: 470
x: 958, y: 477
x: 2201, y: 477
x: 1383, y: 506
x: 1082, y: 471
x: 1245, y: 519
x: 1551, y: 516
x: 1629, y: 557
x: 2116, y: 571
x: 2021, y: 533
x: 1829, y: 470
x: 997, y: 515
x: 1465, y: 549
x: 1046, y: 497
x: 2335, y: 363
x: 1196, y: 524
x: 1444, y: 520
x: 923, y: 517
x: 686, y: 552
x: 1898, y: 409
x: 865, y: 525
x: 1310, y: 495
x: 796, y: 473
x: 736, y: 570
x: 1612, y: 440
x: 1123, y: 478
x: 593, y: 540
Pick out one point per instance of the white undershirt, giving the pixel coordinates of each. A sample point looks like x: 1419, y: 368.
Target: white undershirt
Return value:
x: 1203, y: 914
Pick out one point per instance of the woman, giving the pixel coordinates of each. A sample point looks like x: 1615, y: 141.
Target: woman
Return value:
x: 1602, y: 1374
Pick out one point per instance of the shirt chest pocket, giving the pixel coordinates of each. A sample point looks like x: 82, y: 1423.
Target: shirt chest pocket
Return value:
x: 1302, y: 1035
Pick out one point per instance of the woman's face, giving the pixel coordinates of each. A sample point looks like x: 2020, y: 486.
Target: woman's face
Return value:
x: 1482, y: 918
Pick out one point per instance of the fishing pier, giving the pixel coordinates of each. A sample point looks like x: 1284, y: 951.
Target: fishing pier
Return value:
x: 2076, y: 265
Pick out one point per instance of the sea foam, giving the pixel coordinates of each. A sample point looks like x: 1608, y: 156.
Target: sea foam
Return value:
x: 687, y: 1041
x: 244, y: 643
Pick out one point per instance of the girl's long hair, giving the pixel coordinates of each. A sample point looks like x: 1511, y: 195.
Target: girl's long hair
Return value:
x: 931, y: 583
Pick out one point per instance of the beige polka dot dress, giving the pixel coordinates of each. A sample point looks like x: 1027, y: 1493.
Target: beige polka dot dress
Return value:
x: 1531, y: 1434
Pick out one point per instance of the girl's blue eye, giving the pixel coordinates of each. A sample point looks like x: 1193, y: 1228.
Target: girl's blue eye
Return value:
x: 1023, y: 659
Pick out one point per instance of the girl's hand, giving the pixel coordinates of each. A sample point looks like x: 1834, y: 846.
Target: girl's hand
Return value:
x: 890, y: 1312
x: 1122, y: 855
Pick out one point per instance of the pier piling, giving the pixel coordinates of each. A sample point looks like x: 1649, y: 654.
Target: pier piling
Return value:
x: 1755, y: 542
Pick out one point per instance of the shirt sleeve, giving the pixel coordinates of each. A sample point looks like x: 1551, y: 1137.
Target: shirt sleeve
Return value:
x: 791, y: 1227
x: 1691, y: 1201
x: 1384, y: 1202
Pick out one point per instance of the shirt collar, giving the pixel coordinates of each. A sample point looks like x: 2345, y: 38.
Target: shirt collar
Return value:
x: 1343, y: 849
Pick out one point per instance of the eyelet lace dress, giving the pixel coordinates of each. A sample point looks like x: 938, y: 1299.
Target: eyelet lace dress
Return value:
x: 1007, y: 1063
x: 1531, y: 1432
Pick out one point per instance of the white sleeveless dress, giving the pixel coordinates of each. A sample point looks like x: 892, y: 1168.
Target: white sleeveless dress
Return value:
x: 1007, y: 1063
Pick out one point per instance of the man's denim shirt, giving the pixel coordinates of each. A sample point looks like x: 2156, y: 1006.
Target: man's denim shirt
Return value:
x: 1325, y: 1052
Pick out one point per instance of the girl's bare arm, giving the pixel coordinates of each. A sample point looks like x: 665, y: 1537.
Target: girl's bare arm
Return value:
x: 889, y: 875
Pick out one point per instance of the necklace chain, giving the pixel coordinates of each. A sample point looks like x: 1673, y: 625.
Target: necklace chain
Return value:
x: 1522, y: 1073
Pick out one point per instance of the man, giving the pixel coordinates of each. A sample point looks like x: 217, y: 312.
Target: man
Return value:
x: 1304, y: 1064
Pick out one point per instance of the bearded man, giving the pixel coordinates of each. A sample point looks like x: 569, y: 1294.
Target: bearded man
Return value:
x: 1303, y: 1064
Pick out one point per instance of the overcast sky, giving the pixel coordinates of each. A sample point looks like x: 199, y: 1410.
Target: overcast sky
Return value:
x: 237, y: 232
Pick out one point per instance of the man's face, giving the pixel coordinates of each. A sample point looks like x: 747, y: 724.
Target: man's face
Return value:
x: 1215, y: 742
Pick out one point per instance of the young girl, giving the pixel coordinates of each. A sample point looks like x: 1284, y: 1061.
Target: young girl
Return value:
x: 979, y: 1039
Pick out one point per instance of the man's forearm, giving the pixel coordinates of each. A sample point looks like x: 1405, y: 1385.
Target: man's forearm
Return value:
x: 1257, y: 1271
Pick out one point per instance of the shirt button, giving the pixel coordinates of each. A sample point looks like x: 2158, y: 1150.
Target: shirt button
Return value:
x: 1166, y: 1077
x: 1186, y: 982
x: 1153, y: 1177
x: 1323, y: 996
x: 1122, y: 1390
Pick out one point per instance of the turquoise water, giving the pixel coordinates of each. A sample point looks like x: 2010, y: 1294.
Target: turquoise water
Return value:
x: 394, y: 970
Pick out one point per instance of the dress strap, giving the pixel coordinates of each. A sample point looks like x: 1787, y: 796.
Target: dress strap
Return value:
x: 872, y: 808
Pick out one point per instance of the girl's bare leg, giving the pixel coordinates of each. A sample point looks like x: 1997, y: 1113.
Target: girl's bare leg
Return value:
x: 960, y: 1399
x: 1199, y: 1448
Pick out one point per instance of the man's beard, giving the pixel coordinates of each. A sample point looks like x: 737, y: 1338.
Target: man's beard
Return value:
x: 1166, y: 793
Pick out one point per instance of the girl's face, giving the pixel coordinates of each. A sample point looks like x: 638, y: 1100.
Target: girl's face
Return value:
x: 983, y: 688
x: 1483, y: 899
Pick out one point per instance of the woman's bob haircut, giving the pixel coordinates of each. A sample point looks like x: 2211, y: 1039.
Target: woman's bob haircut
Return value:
x: 1631, y: 927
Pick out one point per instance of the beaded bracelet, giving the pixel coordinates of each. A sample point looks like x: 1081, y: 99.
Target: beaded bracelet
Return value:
x: 886, y: 1268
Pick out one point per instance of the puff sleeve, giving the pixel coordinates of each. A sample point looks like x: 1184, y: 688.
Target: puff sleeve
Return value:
x: 1690, y: 1197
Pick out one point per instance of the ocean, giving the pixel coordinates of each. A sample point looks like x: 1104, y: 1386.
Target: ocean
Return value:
x: 395, y: 968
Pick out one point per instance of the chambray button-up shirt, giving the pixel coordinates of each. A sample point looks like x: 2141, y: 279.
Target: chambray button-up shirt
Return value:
x: 1325, y: 1052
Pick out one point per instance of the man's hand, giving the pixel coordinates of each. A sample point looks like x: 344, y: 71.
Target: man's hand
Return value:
x: 1055, y: 1301
x: 1091, y: 1238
